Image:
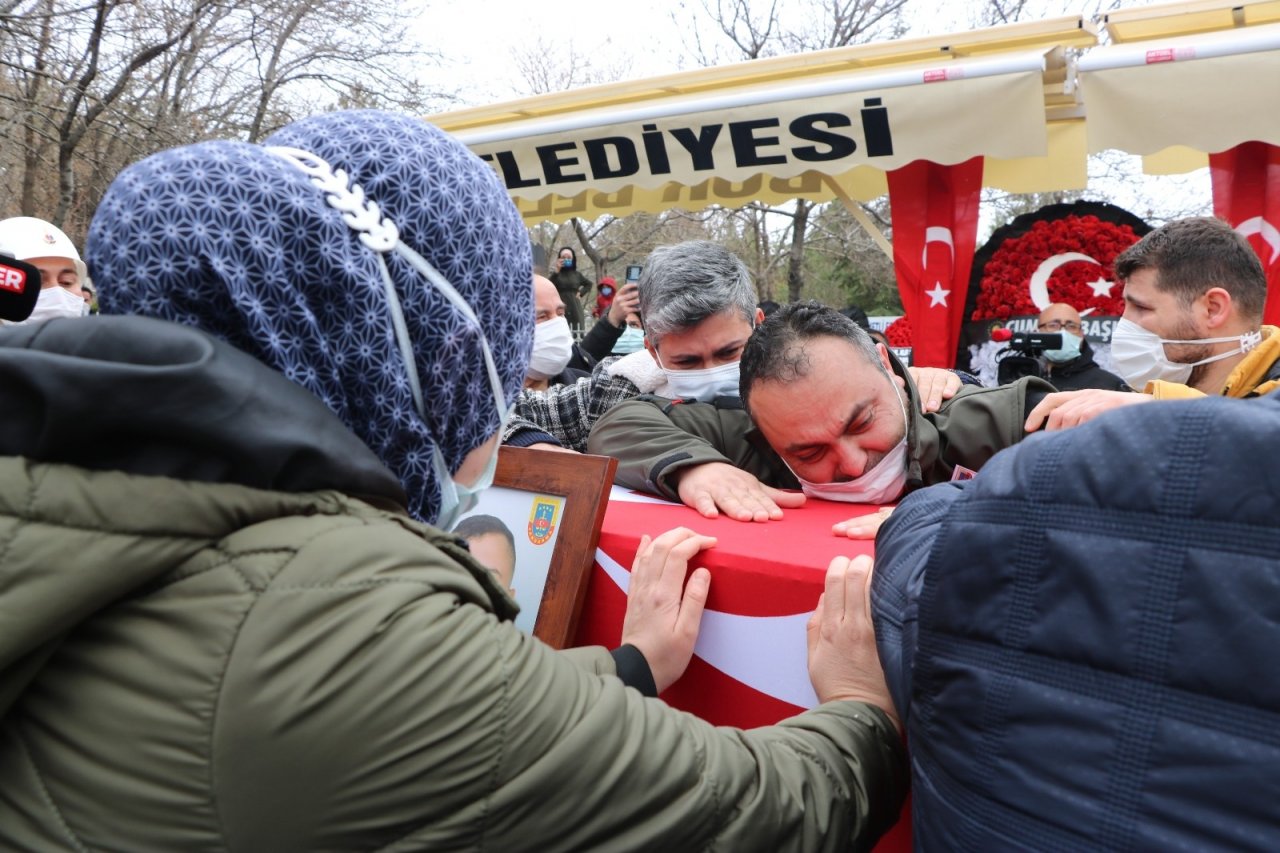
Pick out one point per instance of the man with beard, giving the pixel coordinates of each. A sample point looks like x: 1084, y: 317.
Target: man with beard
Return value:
x: 1194, y: 291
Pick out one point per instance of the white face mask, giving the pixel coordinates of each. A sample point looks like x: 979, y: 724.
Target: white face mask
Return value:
x: 881, y: 485
x: 56, y: 302
x: 552, y: 348
x: 703, y: 385
x: 1139, y: 356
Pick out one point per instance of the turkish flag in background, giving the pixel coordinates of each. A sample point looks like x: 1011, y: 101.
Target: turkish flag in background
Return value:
x: 1246, y: 193
x: 935, y: 228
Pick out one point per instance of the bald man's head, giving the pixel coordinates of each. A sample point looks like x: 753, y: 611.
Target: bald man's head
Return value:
x: 1058, y: 317
x: 547, y: 304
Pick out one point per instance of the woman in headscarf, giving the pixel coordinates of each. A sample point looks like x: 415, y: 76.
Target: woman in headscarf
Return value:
x: 222, y: 629
x: 571, y: 284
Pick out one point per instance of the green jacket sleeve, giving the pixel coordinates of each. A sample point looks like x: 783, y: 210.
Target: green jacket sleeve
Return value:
x: 655, y: 439
x: 650, y: 449
x: 591, y: 658
x: 398, y: 713
x: 976, y: 424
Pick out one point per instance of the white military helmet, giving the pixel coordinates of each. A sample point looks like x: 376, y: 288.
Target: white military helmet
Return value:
x: 25, y: 237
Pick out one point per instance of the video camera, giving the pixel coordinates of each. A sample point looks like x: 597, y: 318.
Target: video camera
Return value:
x: 1018, y: 359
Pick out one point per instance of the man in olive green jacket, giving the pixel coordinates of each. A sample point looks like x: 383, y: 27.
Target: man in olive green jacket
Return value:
x: 823, y: 409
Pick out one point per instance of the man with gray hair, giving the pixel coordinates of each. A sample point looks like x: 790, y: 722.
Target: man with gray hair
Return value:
x: 698, y: 305
x: 824, y: 409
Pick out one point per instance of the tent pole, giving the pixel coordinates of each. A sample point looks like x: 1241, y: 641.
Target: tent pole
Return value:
x: 860, y: 215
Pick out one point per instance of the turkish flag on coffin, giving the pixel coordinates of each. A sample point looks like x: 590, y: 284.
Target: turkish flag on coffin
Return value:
x: 1246, y: 193
x: 750, y: 666
x: 935, y: 228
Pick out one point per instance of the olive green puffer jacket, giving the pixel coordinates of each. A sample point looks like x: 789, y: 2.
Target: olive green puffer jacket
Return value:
x: 190, y: 663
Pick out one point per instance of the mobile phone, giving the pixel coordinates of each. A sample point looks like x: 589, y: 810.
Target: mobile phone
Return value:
x: 633, y: 272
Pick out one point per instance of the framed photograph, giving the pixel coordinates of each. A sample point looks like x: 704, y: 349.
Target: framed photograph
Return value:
x: 537, y: 528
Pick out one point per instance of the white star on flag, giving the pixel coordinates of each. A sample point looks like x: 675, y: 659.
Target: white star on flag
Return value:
x: 937, y: 296
x: 1102, y: 287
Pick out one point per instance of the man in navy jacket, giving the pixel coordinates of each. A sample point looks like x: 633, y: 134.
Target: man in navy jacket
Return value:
x: 1081, y: 641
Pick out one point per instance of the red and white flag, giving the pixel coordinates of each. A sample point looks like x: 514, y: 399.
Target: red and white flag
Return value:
x: 935, y: 227
x: 1246, y: 193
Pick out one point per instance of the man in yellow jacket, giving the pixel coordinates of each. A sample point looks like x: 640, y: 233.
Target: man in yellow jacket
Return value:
x: 1193, y: 291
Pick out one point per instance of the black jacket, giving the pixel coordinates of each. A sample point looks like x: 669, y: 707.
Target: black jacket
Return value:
x: 1082, y: 372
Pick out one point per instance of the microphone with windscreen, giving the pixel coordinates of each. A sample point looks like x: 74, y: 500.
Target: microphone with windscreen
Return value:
x: 19, y: 289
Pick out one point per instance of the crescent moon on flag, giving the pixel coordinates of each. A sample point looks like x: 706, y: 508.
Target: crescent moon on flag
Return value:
x: 1264, y: 229
x: 937, y: 234
x: 1039, y: 284
x: 766, y: 653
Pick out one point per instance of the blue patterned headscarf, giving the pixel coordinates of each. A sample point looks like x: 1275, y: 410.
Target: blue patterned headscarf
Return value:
x: 238, y: 241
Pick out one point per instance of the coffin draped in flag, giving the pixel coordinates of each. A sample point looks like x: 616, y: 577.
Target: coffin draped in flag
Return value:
x: 1246, y: 194
x: 935, y: 222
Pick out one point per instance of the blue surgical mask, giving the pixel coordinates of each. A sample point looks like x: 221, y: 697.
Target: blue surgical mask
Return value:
x: 456, y: 500
x: 629, y: 341
x: 1070, y: 349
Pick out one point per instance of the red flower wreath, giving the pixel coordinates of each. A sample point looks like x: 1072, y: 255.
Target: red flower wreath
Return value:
x: 1005, y: 292
x: 899, y: 332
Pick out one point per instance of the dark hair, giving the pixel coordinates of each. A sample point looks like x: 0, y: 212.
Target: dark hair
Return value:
x: 775, y: 351
x: 857, y: 315
x: 482, y: 525
x: 1189, y: 256
x: 768, y: 306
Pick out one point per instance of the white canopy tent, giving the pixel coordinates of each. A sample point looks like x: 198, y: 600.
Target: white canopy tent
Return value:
x: 1176, y: 81
x: 1176, y: 99
x: 817, y: 126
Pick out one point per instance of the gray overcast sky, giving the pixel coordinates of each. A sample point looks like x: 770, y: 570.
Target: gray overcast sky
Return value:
x: 476, y: 39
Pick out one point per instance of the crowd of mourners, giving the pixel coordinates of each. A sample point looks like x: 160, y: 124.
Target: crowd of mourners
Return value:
x: 239, y: 612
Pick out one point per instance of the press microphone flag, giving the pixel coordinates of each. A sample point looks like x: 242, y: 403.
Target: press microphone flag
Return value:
x: 19, y: 289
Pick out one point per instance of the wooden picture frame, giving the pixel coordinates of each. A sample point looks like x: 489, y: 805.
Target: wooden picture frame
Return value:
x: 568, y: 493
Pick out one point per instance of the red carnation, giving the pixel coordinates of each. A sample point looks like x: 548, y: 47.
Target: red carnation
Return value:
x: 1005, y: 287
x: 899, y: 332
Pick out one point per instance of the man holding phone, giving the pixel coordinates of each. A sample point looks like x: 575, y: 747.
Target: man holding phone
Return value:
x: 599, y: 341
